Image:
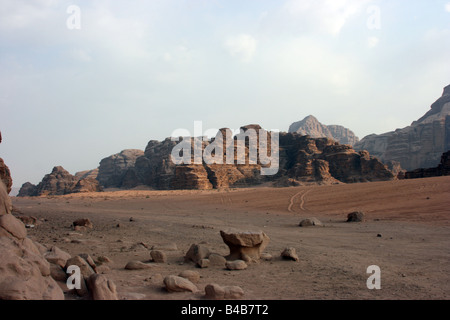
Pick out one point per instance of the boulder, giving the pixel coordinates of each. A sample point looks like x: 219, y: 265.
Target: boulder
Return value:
x: 101, y: 288
x: 289, y: 253
x: 191, y: 275
x: 356, y: 216
x: 197, y: 252
x: 137, y: 265
x: 243, y: 244
x: 236, y: 265
x: 57, y: 256
x: 310, y: 222
x: 214, y: 291
x: 85, y: 269
x: 84, y: 222
x: 158, y: 256
x: 179, y: 284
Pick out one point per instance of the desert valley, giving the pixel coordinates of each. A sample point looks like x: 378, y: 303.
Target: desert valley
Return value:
x: 141, y: 228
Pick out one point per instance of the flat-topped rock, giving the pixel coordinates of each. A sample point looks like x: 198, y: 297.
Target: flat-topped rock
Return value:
x: 245, y: 244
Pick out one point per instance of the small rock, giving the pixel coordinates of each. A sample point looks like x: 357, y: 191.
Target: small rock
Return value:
x: 266, y: 256
x: 310, y: 222
x: 57, y: 256
x: 236, y: 265
x: 85, y: 269
x: 379, y: 235
x: 216, y: 292
x: 356, y: 216
x: 137, y: 265
x: 289, y: 254
x: 57, y: 273
x: 179, y: 284
x: 217, y: 260
x: 191, y: 275
x: 82, y: 223
x: 203, y: 263
x: 158, y: 256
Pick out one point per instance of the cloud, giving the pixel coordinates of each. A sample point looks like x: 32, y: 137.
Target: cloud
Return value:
x: 329, y: 16
x: 242, y: 46
x: 447, y: 7
x: 372, y: 42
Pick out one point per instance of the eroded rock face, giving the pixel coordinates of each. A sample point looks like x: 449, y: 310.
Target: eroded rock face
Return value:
x: 443, y: 169
x: 113, y: 169
x: 419, y: 145
x: 310, y: 126
x: 59, y: 182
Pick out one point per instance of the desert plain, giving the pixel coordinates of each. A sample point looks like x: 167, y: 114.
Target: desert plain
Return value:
x: 406, y: 232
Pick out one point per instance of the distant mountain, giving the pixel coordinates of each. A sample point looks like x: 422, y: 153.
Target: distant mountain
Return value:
x: 310, y: 126
x: 419, y: 145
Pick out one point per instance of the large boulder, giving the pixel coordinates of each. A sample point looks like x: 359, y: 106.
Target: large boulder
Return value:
x: 244, y: 245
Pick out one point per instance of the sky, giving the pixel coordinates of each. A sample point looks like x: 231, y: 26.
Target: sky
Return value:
x: 82, y: 80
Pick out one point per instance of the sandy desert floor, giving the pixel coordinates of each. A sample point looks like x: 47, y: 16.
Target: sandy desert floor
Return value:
x: 406, y: 234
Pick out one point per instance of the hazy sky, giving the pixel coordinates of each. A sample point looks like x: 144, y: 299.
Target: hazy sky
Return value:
x: 81, y: 80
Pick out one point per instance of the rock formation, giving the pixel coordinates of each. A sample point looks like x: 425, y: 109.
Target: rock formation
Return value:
x: 245, y: 245
x: 59, y: 182
x: 113, y: 169
x: 443, y: 169
x: 419, y: 145
x: 310, y: 126
x: 24, y: 272
x: 302, y: 160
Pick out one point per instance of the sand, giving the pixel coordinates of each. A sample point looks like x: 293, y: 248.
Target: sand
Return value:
x: 406, y: 233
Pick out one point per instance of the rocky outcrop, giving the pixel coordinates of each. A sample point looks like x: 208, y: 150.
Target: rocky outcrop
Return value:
x: 310, y: 126
x: 245, y: 245
x: 419, y: 145
x: 115, y: 168
x: 306, y: 160
x: 87, y: 174
x: 443, y: 169
x: 24, y: 272
x: 59, y: 182
x: 5, y: 175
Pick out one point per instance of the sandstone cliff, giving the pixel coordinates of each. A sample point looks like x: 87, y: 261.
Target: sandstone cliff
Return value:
x: 59, y: 182
x: 443, y: 169
x: 310, y: 126
x: 419, y: 145
x: 113, y: 169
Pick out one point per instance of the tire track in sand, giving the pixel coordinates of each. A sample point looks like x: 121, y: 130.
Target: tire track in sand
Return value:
x: 303, y: 193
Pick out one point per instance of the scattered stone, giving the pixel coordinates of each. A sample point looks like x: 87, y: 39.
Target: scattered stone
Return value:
x: 101, y: 288
x: 236, y: 265
x: 250, y: 243
x: 103, y: 259
x: 356, y: 216
x: 216, y: 292
x: 57, y: 256
x: 137, y: 265
x: 89, y: 260
x: 266, y: 256
x: 197, y: 252
x: 132, y: 219
x: 179, y: 284
x: 203, y: 263
x: 379, y: 235
x: 82, y: 223
x: 217, y: 260
x: 191, y: 275
x: 158, y: 256
x: 289, y: 254
x: 310, y: 222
